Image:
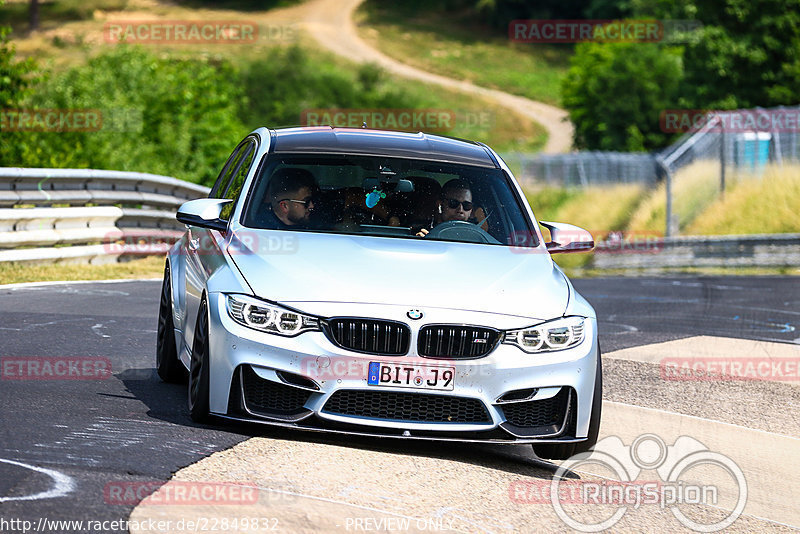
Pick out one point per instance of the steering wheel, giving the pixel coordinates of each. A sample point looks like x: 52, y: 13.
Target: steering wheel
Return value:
x: 463, y: 231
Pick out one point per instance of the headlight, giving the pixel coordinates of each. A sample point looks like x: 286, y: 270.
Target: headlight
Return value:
x: 265, y: 317
x: 547, y: 337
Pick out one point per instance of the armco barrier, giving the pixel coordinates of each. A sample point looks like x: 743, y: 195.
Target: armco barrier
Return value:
x: 769, y: 250
x: 103, y: 215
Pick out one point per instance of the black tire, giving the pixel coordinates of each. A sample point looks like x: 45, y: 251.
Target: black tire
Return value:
x: 562, y: 451
x: 169, y: 368
x: 198, y: 372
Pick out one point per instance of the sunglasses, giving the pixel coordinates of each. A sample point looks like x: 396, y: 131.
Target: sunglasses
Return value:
x: 305, y: 203
x: 453, y: 204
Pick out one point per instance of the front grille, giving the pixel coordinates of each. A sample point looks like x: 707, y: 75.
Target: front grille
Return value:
x: 542, y: 413
x: 411, y: 407
x: 270, y: 397
x: 456, y: 341
x: 369, y: 335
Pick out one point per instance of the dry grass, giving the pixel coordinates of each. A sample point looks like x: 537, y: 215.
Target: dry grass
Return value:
x: 13, y: 273
x: 599, y: 210
x: 694, y: 188
x: 769, y: 204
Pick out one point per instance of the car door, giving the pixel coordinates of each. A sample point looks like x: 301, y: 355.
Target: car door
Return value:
x: 205, y: 249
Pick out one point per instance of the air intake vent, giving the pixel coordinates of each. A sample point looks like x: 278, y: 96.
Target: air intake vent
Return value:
x: 271, y: 398
x: 411, y: 407
x: 547, y: 413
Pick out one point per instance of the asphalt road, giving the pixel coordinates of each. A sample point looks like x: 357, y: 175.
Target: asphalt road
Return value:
x: 89, y: 434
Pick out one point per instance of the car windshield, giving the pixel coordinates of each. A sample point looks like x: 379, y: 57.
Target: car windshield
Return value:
x: 388, y: 197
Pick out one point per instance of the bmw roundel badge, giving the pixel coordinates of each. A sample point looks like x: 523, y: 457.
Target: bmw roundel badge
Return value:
x: 414, y: 314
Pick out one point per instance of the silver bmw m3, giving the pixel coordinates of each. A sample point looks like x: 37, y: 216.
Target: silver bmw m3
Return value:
x: 379, y: 283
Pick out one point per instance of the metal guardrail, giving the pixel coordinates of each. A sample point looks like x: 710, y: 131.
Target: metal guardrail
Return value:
x: 767, y: 250
x: 103, y: 214
x: 43, y: 187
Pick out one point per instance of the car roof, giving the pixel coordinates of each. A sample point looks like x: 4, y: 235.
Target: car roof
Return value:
x: 361, y: 141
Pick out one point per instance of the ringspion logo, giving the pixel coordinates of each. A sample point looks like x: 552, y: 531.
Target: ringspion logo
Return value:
x: 689, y: 477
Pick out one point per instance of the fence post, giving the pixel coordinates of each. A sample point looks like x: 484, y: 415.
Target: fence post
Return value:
x: 668, y: 178
x: 722, y: 162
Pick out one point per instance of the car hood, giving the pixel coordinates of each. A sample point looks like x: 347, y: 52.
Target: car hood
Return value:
x: 296, y: 267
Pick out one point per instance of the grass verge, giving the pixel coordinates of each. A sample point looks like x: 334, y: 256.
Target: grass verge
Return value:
x: 694, y: 188
x: 454, y: 45
x: 599, y: 210
x: 14, y: 273
x: 768, y: 204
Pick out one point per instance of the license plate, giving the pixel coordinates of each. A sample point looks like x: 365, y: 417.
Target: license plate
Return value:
x: 411, y: 376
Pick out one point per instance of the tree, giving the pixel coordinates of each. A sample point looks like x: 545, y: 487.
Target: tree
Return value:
x: 615, y: 91
x: 747, y: 55
x: 33, y: 15
x: 16, y: 76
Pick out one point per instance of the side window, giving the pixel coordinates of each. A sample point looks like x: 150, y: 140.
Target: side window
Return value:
x: 238, y: 176
x: 224, y: 177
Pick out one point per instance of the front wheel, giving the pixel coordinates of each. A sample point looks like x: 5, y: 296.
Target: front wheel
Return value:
x: 562, y: 451
x: 198, y: 371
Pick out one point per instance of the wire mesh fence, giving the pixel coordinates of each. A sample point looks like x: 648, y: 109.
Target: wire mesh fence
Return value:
x: 584, y: 168
x: 742, y: 139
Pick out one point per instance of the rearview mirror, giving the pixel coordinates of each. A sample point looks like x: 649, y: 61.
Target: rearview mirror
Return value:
x: 404, y: 186
x: 204, y: 213
x: 567, y: 238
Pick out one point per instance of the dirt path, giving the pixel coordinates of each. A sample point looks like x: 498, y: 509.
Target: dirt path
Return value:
x: 330, y: 22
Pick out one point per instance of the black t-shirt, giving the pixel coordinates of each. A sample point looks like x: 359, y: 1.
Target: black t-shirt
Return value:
x: 266, y: 218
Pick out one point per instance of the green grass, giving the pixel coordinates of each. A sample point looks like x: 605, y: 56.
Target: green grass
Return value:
x: 454, y: 45
x: 13, y: 273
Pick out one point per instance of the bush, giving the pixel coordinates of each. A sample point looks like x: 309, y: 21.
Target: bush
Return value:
x: 182, y: 117
x: 166, y: 116
x: 287, y: 81
x: 615, y: 91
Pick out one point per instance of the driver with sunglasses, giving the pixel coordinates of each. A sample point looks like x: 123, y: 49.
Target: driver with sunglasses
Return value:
x: 291, y: 198
x: 455, y: 203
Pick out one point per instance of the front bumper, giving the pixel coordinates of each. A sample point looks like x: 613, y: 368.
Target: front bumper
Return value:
x: 308, y: 382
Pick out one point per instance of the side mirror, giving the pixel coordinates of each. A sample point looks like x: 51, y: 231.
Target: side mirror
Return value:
x: 204, y: 213
x: 567, y: 238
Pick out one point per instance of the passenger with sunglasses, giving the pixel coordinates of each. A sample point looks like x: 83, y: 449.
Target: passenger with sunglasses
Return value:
x: 455, y: 203
x: 291, y: 199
